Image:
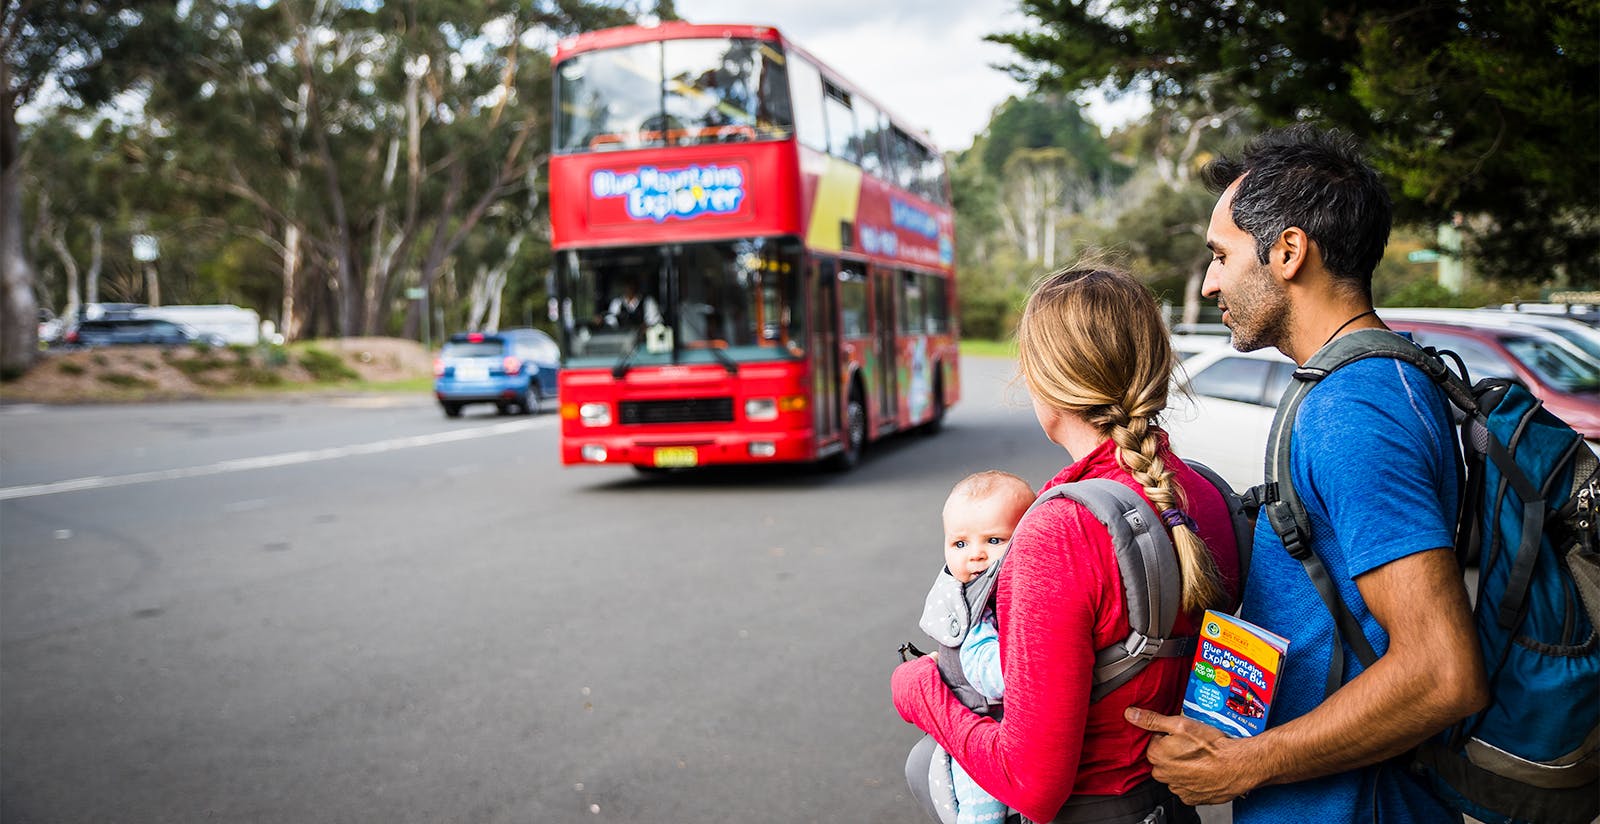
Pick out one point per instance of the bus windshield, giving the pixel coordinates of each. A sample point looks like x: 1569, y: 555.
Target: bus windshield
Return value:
x: 672, y: 93
x: 726, y: 302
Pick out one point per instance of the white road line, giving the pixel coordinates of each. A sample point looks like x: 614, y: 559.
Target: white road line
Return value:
x: 271, y: 461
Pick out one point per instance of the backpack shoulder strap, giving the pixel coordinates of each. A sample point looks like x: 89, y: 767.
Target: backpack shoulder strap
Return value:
x: 1240, y: 511
x: 1278, y: 498
x: 1147, y: 564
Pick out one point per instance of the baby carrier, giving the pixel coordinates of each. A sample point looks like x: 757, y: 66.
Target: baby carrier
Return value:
x: 1148, y: 566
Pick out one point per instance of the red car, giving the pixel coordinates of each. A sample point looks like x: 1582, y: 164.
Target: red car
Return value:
x: 1565, y: 379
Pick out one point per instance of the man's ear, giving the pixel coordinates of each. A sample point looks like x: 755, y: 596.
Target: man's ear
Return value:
x: 1292, y: 251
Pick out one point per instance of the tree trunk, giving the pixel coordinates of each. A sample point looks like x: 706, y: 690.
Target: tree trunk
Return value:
x: 290, y: 322
x: 347, y: 292
x: 19, y: 313
x: 152, y: 284
x: 58, y: 242
x: 91, y: 278
x: 1191, y: 293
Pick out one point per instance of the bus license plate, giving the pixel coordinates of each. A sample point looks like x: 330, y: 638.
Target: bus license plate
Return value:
x: 677, y: 456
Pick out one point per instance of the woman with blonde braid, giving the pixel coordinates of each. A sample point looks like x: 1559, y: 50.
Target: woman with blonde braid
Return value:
x: 1097, y: 362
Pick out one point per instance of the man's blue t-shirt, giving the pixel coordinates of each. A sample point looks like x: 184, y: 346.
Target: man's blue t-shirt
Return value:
x: 1373, y: 459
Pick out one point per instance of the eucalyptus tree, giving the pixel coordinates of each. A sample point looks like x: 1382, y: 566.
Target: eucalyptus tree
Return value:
x: 369, y: 141
x: 58, y: 54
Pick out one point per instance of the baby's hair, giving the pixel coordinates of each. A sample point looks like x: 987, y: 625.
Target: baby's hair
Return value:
x: 990, y: 482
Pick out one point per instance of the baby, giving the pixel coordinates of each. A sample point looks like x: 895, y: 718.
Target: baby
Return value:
x: 979, y: 517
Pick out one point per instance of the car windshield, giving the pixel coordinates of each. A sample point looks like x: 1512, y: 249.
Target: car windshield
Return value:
x: 1555, y: 364
x: 483, y: 349
x: 725, y: 302
x: 1584, y: 339
x: 672, y: 93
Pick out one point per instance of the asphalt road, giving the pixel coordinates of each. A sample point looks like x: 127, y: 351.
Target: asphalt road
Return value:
x: 332, y: 610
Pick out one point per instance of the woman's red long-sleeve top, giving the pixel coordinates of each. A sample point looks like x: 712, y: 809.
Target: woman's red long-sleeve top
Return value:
x: 1058, y: 599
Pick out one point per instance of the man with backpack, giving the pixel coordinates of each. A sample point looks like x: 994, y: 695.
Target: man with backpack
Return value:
x: 1300, y: 225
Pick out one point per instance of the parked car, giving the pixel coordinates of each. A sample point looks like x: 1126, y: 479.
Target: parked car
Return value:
x: 1569, y: 328
x: 1221, y: 409
x: 512, y: 369
x: 1187, y: 345
x: 1561, y: 376
x: 131, y: 331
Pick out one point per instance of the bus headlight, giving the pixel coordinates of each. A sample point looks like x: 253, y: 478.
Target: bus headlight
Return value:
x: 593, y: 453
x: 595, y: 414
x: 761, y: 409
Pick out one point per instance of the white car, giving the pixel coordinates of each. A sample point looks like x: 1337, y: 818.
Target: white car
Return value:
x: 1221, y: 407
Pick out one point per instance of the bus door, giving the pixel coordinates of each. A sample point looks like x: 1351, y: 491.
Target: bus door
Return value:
x: 883, y: 326
x: 824, y: 350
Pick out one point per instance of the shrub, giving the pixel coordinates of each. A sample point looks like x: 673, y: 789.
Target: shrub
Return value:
x: 989, y: 316
x: 325, y: 366
x: 251, y: 375
x: 124, y: 380
x: 196, y: 366
x: 67, y: 367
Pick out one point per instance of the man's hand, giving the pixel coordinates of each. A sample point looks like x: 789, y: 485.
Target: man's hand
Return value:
x: 1191, y: 758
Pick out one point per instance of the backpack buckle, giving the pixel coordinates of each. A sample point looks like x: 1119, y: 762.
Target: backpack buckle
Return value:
x: 1140, y: 645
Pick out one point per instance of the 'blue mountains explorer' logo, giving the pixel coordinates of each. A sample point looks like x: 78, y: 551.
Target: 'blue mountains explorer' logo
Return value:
x: 684, y: 193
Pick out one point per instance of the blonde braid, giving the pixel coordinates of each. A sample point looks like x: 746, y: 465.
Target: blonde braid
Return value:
x: 1138, y: 449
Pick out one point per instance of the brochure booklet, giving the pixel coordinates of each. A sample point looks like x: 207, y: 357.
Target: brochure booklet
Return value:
x: 1234, y: 676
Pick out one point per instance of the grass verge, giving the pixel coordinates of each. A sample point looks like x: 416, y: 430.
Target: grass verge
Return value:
x: 989, y: 348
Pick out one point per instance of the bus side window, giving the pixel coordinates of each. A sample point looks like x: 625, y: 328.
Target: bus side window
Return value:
x: 810, y: 125
x: 912, y: 317
x: 933, y: 177
x: 905, y: 161
x: 938, y: 305
x: 852, y: 304
x: 842, y: 140
x: 869, y: 132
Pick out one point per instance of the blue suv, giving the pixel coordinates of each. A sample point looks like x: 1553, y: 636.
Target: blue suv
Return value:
x: 512, y: 369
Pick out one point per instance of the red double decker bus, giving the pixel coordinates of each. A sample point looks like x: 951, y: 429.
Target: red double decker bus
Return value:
x: 753, y: 259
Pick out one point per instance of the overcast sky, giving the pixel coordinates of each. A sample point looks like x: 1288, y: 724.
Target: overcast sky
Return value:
x: 925, y: 61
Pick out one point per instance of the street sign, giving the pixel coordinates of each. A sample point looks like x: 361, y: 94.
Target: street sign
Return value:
x: 1422, y: 256
x: 416, y: 293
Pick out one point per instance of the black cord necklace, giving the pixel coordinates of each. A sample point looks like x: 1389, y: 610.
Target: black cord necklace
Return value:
x: 1347, y: 323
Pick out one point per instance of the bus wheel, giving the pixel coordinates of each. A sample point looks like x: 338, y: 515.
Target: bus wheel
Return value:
x: 855, y: 434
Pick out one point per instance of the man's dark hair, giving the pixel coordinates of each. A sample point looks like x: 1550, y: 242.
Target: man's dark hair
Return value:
x: 1317, y: 180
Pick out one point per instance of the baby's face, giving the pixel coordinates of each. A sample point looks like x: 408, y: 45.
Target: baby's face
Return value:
x: 977, y: 531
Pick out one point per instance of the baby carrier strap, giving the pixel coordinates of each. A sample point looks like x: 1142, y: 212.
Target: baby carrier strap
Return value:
x: 950, y: 612
x: 1147, y: 564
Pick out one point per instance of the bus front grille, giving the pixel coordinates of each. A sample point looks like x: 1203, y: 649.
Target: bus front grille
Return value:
x: 678, y: 410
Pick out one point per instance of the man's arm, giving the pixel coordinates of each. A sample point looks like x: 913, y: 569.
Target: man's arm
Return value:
x: 1431, y: 676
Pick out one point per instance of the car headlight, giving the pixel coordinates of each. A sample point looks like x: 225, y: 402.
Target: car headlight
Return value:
x: 761, y: 409
x: 595, y: 414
